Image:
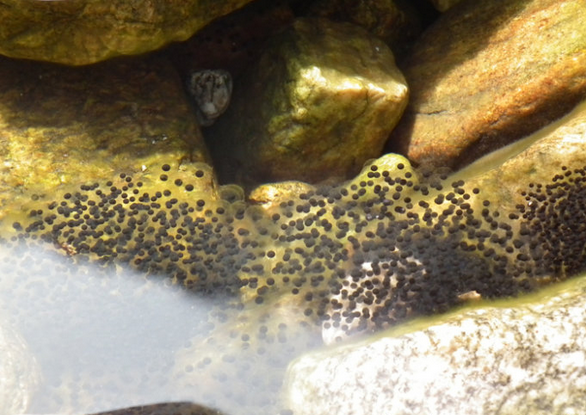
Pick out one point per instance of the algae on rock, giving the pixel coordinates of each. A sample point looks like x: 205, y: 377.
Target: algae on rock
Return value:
x: 80, y: 32
x: 63, y: 125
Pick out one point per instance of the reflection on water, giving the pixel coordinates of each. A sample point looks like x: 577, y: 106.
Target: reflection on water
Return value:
x: 108, y: 338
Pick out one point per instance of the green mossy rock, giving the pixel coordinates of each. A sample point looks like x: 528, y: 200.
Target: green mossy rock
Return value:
x: 317, y: 104
x: 80, y: 32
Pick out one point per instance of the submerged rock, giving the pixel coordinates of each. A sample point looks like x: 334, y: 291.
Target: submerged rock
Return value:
x: 61, y: 125
x: 503, y: 175
x: 319, y: 102
x: 80, y: 32
x: 177, y: 408
x: 397, y: 24
x: 488, y: 73
x: 444, y: 5
x: 517, y: 357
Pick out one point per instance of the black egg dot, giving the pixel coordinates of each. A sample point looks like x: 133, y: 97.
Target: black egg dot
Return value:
x: 166, y: 167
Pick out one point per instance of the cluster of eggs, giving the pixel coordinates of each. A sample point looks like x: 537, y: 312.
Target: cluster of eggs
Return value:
x: 320, y: 266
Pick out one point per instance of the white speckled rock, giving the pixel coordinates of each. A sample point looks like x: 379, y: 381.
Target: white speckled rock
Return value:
x: 518, y: 358
x: 19, y: 374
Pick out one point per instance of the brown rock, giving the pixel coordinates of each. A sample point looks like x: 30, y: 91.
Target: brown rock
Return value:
x: 488, y: 73
x: 318, y: 103
x: 79, y: 32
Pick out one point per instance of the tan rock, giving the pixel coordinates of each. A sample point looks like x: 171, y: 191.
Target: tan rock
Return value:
x: 319, y: 103
x: 503, y: 175
x: 272, y: 194
x: 488, y: 73
x: 517, y: 357
x: 79, y: 32
x: 61, y: 126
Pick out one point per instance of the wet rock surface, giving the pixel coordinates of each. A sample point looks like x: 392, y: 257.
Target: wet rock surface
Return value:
x: 534, y: 158
x: 81, y: 32
x: 318, y: 103
x: 488, y: 73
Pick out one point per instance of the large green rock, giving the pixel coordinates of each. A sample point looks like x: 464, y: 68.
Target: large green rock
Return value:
x: 79, y: 32
x: 319, y: 102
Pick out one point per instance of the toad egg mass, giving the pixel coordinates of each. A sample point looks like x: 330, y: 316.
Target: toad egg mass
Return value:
x: 237, y: 290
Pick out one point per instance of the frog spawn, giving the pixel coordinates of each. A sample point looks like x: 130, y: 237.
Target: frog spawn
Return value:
x: 331, y: 263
